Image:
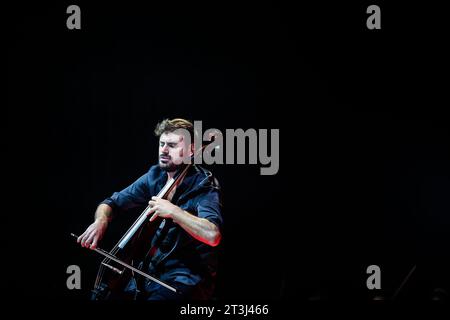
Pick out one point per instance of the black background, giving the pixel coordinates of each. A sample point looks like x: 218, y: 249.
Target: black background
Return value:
x: 364, y: 138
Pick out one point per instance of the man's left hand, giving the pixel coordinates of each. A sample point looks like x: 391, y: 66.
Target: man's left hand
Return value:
x: 162, y: 208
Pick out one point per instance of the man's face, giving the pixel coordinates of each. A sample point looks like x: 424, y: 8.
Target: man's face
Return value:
x: 172, y: 150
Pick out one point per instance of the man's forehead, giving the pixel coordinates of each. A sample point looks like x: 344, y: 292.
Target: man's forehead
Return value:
x: 171, y: 137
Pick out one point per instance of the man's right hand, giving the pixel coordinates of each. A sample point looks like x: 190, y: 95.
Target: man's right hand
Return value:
x: 93, y: 234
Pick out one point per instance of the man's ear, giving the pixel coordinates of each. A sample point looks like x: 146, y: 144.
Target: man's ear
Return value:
x: 192, y: 149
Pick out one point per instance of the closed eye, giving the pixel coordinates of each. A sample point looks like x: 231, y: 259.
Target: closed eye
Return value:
x: 170, y: 145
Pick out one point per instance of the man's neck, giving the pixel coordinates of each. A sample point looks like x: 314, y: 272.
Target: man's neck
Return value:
x: 170, y: 174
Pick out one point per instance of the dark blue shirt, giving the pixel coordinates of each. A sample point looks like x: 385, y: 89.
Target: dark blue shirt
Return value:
x: 179, y: 257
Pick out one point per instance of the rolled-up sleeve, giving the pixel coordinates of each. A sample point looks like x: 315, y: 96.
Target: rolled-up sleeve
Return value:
x: 136, y: 194
x: 209, y: 207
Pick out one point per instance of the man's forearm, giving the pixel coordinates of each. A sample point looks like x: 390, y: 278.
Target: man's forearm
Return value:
x: 200, y: 228
x: 103, y: 212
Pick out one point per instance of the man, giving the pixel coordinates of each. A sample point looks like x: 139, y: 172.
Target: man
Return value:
x: 184, y: 255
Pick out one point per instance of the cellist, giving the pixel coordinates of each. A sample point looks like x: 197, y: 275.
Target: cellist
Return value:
x: 183, y: 252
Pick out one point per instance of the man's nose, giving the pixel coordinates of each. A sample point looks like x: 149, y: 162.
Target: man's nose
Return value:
x: 165, y: 149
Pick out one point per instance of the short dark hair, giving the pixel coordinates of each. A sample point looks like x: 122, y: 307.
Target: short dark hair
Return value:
x: 170, y: 125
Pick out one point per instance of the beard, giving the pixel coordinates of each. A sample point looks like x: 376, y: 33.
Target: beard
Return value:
x: 167, y: 164
x: 169, y: 167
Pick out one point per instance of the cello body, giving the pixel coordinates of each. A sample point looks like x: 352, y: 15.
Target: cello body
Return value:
x: 132, y: 249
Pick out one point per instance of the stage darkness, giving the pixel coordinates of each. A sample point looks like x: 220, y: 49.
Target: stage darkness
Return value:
x: 364, y: 140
